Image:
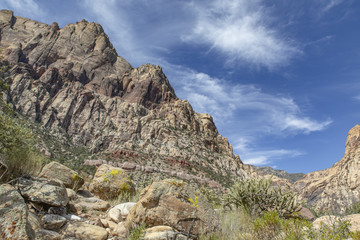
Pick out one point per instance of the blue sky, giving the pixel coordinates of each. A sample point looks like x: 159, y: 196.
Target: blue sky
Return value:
x: 281, y: 78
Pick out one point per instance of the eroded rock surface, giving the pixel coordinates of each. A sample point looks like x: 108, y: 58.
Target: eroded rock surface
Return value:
x: 72, y: 80
x: 338, y: 187
x: 13, y: 215
x: 109, y: 182
x: 69, y: 177
x: 174, y: 203
x: 45, y: 191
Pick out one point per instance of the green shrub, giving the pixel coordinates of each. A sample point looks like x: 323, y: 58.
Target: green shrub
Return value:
x: 211, y: 196
x: 336, y: 230
x: 268, y: 226
x: 256, y: 196
x: 16, y: 148
x: 353, y: 209
x: 138, y: 232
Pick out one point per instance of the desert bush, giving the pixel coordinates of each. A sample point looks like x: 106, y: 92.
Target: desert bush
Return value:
x: 353, y: 209
x: 16, y: 147
x: 256, y: 196
x: 211, y: 196
x: 235, y: 224
x: 337, y: 229
x: 137, y: 232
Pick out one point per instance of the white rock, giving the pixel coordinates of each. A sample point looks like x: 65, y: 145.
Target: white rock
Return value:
x: 120, y: 211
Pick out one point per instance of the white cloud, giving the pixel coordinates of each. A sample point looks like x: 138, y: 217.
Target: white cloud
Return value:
x: 142, y: 31
x: 329, y: 4
x: 249, y: 155
x: 116, y: 22
x: 240, y: 30
x: 25, y: 8
x: 246, y: 113
x: 244, y: 105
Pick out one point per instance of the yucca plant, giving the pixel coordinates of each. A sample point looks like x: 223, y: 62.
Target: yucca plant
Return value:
x: 257, y: 196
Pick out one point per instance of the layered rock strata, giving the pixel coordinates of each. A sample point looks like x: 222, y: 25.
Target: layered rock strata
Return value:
x: 338, y: 187
x: 72, y: 80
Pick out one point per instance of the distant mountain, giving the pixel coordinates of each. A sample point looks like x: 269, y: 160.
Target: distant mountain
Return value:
x: 338, y: 187
x: 292, y: 177
x: 72, y: 82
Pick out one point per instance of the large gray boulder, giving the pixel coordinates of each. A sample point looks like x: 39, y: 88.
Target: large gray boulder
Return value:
x: 45, y: 191
x: 13, y: 215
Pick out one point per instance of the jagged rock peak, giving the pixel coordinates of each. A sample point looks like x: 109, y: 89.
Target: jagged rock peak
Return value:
x: 353, y: 140
x: 337, y: 187
x: 72, y: 80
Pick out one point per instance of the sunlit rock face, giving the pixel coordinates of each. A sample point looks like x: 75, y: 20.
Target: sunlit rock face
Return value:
x: 338, y: 187
x: 72, y: 80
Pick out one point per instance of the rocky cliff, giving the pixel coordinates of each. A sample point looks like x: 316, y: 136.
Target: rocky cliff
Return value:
x: 71, y: 80
x: 338, y: 187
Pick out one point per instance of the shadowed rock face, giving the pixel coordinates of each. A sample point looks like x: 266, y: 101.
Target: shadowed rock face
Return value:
x: 335, y: 188
x: 72, y: 80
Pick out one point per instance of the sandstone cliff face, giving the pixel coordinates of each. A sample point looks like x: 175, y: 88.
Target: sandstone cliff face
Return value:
x: 335, y: 188
x: 72, y: 80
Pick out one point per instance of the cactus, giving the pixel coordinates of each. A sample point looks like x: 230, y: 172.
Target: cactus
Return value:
x: 257, y: 196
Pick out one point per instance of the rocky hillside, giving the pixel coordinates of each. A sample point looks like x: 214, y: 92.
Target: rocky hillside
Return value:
x: 338, y: 187
x: 72, y: 81
x: 292, y: 177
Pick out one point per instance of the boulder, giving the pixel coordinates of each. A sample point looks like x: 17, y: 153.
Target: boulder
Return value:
x: 332, y: 220
x: 13, y: 215
x: 46, y: 191
x: 89, y: 204
x: 43, y: 234
x: 163, y: 233
x: 121, y: 230
x: 69, y: 177
x: 328, y: 220
x: 71, y: 194
x: 84, y: 231
x: 34, y: 221
x: 305, y: 213
x: 120, y: 211
x: 109, y: 182
x: 53, y: 221
x: 174, y: 203
x: 354, y: 219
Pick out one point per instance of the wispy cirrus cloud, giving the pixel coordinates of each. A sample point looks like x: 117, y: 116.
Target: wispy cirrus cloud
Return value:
x: 241, y: 30
x: 246, y: 105
x: 246, y: 113
x: 329, y: 4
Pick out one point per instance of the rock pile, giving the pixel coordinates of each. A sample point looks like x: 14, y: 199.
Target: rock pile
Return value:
x: 44, y: 209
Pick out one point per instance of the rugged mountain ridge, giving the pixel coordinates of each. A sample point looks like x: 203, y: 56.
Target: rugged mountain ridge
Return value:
x: 292, y: 177
x: 72, y: 80
x: 337, y: 187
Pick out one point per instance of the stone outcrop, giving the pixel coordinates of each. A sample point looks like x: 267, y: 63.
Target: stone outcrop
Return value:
x: 119, y: 212
x: 14, y: 222
x: 333, y: 221
x: 83, y: 231
x: 338, y: 187
x: 175, y: 204
x: 163, y: 233
x: 71, y: 80
x: 109, y: 182
x: 69, y: 177
x: 50, y: 192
